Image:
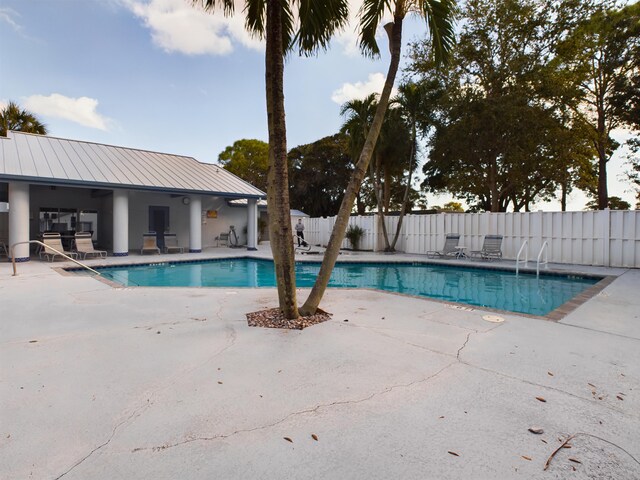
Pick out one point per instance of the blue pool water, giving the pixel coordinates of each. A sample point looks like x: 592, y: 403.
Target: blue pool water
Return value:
x: 473, y: 286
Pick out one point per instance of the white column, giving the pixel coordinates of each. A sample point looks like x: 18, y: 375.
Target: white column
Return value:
x: 252, y: 223
x: 19, y: 219
x: 120, y: 223
x: 195, y: 225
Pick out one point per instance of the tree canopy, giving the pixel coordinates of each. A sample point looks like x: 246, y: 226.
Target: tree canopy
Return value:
x: 249, y: 160
x: 12, y: 117
x: 319, y: 173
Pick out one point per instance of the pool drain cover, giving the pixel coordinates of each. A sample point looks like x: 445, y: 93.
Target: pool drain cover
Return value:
x: 493, y: 318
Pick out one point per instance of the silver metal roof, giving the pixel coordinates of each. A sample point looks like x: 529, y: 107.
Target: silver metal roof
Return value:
x: 45, y: 159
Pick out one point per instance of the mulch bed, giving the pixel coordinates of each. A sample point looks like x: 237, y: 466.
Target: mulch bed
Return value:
x: 273, y: 318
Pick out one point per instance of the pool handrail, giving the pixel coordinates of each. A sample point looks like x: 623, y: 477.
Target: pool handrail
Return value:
x: 526, y: 256
x: 38, y: 242
x: 546, y: 258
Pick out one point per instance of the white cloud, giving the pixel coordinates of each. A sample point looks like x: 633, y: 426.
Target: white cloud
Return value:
x: 7, y: 16
x: 359, y: 90
x: 177, y: 26
x: 79, y: 110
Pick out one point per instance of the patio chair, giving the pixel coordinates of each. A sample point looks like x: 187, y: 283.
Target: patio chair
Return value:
x: 84, y: 246
x: 449, y: 250
x: 491, y: 248
x: 149, y: 243
x: 222, y: 238
x: 53, y: 247
x: 171, y: 244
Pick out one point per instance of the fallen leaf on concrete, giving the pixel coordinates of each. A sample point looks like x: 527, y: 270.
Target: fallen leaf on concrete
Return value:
x: 526, y: 458
x: 288, y: 439
x: 346, y: 320
x: 314, y: 436
x: 543, y: 440
x: 220, y: 383
x: 441, y: 416
x: 574, y: 460
x: 452, y: 453
x: 158, y: 332
x: 573, y: 468
x: 541, y: 399
x: 619, y: 397
x: 566, y: 446
x: 550, y: 374
x: 33, y: 341
x: 536, y: 430
x: 591, y: 385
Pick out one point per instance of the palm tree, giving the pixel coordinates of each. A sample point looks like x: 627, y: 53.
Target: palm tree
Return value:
x: 439, y: 15
x: 359, y: 116
x: 411, y: 100
x: 307, y: 31
x: 12, y: 117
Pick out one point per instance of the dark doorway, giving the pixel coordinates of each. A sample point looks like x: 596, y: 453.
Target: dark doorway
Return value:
x: 159, y: 223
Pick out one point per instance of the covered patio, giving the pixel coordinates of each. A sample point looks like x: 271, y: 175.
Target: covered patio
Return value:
x: 50, y: 184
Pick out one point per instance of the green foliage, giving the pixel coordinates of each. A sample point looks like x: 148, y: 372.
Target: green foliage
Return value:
x: 318, y: 175
x: 499, y: 141
x: 598, y: 64
x: 354, y: 235
x: 249, y: 160
x: 12, y: 117
x: 614, y: 203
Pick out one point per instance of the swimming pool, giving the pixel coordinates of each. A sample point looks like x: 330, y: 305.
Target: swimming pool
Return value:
x: 491, y: 288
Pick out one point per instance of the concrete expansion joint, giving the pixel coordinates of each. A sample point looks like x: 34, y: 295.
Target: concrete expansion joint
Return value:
x: 307, y: 411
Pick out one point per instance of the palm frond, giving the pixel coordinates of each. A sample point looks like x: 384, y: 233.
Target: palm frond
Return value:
x: 211, y: 5
x: 440, y: 16
x: 370, y: 14
x: 319, y: 20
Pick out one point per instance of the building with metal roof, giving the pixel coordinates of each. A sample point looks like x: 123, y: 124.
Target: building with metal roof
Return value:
x: 117, y: 193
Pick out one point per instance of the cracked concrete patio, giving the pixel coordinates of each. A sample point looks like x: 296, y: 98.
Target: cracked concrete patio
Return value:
x: 126, y: 383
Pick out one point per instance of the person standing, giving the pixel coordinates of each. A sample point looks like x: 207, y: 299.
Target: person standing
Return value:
x: 300, y: 233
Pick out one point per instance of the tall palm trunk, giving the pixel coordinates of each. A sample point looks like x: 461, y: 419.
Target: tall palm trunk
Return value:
x: 342, y: 219
x: 405, y: 198
x: 280, y: 231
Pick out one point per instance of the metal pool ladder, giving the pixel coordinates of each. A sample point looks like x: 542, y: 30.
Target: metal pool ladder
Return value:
x: 544, y: 249
x: 38, y: 242
x: 526, y: 256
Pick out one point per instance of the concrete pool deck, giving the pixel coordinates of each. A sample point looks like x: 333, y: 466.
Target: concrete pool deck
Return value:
x: 124, y: 383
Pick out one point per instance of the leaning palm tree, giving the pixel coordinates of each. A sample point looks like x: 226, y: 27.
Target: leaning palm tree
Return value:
x: 307, y: 26
x: 12, y: 117
x: 439, y: 15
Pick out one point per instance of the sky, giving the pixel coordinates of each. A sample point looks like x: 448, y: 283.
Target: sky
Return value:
x: 162, y: 75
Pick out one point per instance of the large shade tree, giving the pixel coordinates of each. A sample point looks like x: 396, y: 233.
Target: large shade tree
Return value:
x: 12, y: 117
x: 439, y: 16
x: 319, y: 173
x: 598, y: 60
x: 249, y: 160
x: 305, y: 26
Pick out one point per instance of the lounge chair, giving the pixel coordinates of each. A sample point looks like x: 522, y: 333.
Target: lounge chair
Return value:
x: 53, y: 247
x: 171, y: 244
x: 149, y: 243
x: 449, y: 250
x: 84, y: 246
x: 491, y: 248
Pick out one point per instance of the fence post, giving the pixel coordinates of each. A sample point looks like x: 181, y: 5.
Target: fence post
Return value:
x: 606, y: 237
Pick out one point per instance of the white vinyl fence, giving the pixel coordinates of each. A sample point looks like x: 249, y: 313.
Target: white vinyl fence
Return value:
x: 604, y: 238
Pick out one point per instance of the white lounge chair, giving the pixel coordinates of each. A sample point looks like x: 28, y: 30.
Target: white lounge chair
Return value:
x: 449, y: 250
x: 53, y: 247
x: 84, y: 246
x: 149, y: 243
x: 171, y: 244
